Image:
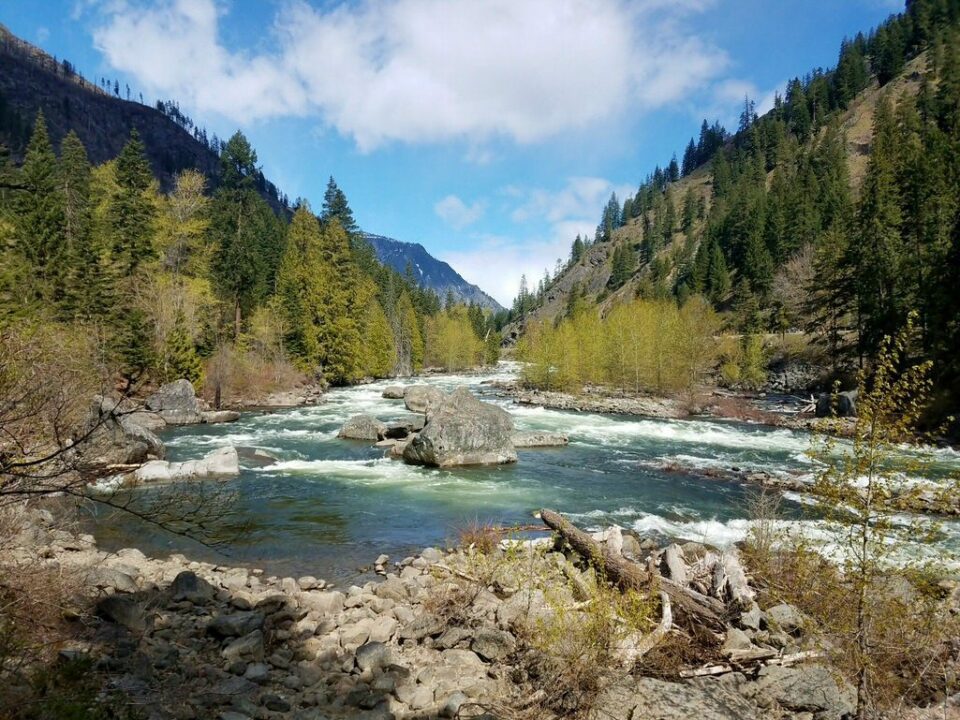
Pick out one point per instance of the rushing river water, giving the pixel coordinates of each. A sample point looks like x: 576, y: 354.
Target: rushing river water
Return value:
x: 328, y: 506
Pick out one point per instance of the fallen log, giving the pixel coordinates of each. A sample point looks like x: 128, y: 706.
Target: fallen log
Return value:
x: 628, y: 575
x: 783, y: 660
x: 737, y: 585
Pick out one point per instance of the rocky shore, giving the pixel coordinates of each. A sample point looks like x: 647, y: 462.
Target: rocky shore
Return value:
x: 447, y: 633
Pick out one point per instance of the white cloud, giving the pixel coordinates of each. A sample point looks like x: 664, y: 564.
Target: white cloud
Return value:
x: 421, y: 70
x: 496, y: 263
x: 726, y: 102
x: 456, y: 213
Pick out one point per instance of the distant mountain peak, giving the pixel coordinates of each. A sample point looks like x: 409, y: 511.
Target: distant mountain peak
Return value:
x: 429, y: 272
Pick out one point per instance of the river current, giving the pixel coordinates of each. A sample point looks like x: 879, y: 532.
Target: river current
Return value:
x: 328, y: 506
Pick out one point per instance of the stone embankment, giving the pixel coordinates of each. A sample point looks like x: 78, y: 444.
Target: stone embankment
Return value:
x: 442, y: 634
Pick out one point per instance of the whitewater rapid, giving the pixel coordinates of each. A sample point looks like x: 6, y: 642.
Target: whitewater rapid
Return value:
x: 327, y: 505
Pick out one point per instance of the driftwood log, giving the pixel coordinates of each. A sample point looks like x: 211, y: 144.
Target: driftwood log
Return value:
x: 627, y: 575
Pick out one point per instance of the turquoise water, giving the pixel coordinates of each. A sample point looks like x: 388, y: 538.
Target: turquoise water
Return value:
x: 328, y: 506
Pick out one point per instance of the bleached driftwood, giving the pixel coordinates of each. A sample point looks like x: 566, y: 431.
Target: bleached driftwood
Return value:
x: 629, y: 575
x: 739, y: 589
x: 637, y: 645
x: 783, y: 660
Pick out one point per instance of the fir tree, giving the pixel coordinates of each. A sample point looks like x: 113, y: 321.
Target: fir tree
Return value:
x: 180, y: 359
x: 335, y: 206
x: 132, y: 211
x: 39, y: 211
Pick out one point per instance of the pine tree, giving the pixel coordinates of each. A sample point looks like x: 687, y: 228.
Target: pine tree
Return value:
x: 86, y: 290
x: 335, y: 206
x: 132, y: 211
x: 238, y: 164
x: 878, y: 254
x: 576, y: 251
x: 180, y: 359
x: 409, y: 337
x: 39, y: 210
x: 380, y: 353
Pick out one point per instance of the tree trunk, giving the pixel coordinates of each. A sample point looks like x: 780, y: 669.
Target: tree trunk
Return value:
x: 630, y: 576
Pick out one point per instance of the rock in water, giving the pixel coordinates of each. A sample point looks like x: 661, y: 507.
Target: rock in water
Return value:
x: 177, y: 403
x: 419, y: 398
x: 114, y: 438
x: 539, y: 439
x: 394, y: 392
x: 212, y: 417
x: 461, y: 430
x: 221, y: 463
x: 363, y: 427
x: 840, y: 405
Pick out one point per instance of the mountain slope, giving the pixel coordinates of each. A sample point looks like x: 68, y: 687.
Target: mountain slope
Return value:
x: 589, y: 277
x: 428, y: 272
x: 32, y: 81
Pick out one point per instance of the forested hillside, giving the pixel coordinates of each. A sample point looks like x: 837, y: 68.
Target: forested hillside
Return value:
x: 834, y: 215
x: 174, y: 257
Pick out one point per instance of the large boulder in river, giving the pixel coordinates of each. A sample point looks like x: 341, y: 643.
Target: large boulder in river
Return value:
x: 363, y: 427
x: 461, y: 430
x: 420, y: 398
x: 176, y: 403
x: 221, y: 463
x: 112, y: 437
x: 842, y: 404
x: 394, y: 392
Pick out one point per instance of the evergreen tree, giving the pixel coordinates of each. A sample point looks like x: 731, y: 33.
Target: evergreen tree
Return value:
x: 39, y: 211
x: 380, y: 353
x: 132, y: 210
x: 576, y: 251
x: 878, y: 254
x: 409, y: 338
x: 86, y: 290
x: 238, y: 164
x: 335, y: 206
x: 180, y: 359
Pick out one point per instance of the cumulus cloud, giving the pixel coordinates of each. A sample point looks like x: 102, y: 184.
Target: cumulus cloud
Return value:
x: 420, y: 70
x: 456, y: 213
x: 496, y: 262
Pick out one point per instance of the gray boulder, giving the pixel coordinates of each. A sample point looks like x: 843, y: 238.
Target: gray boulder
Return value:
x: 123, y: 610
x: 461, y: 430
x: 189, y: 586
x: 363, y: 427
x: 652, y: 699
x: 213, y: 417
x: 539, y: 439
x: 221, y: 463
x: 177, y: 403
x: 492, y: 644
x: 842, y: 404
x: 805, y: 688
x: 111, y: 437
x: 134, y: 430
x: 394, y: 392
x: 236, y: 624
x: 786, y: 618
x: 419, y: 398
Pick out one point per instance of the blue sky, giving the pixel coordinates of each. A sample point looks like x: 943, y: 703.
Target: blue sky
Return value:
x: 490, y: 131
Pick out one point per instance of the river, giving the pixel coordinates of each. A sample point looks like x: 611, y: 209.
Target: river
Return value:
x: 329, y: 506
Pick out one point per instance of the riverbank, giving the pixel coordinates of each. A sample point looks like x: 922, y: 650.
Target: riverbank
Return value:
x: 703, y: 404
x: 511, y: 630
